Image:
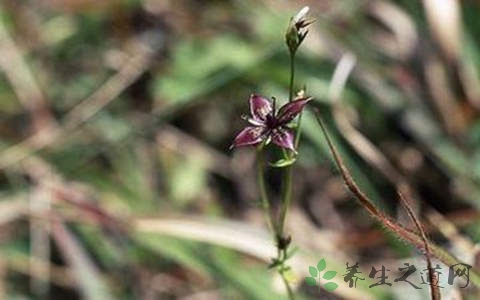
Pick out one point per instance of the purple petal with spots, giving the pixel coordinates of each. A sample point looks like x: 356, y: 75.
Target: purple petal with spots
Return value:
x: 289, y: 111
x: 260, y: 108
x: 249, y: 136
x: 283, y: 138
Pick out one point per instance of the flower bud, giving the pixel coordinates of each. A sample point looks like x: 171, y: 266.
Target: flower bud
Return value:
x: 296, y: 30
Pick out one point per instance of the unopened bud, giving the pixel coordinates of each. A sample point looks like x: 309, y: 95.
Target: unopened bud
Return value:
x: 297, y: 29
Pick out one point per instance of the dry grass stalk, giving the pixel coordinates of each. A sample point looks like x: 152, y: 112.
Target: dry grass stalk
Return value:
x: 420, y: 241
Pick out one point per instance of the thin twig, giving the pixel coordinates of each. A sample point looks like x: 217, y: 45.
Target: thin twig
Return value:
x: 434, y: 290
x: 370, y: 152
x: 398, y: 229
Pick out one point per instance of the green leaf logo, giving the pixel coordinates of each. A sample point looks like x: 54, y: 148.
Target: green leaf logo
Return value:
x: 315, y: 277
x: 330, y: 286
x: 322, y: 264
x: 311, y: 281
x: 329, y: 275
x: 313, y: 271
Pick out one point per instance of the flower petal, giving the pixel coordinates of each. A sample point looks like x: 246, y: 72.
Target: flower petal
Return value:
x: 290, y: 110
x: 283, y: 138
x: 301, y: 14
x: 249, y: 136
x: 260, y: 107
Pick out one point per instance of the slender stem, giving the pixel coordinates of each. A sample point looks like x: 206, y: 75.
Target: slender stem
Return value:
x: 292, y: 76
x: 282, y: 257
x: 319, y: 286
x: 287, y: 175
x: 282, y: 246
x: 261, y: 185
x: 291, y: 296
x: 286, y: 197
x: 282, y: 252
x: 298, y: 132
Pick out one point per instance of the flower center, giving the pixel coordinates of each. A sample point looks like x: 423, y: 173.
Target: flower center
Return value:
x: 271, y: 121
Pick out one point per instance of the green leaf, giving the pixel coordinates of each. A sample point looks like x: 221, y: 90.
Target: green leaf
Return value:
x: 329, y: 275
x: 275, y: 263
x: 281, y: 163
x: 311, y: 281
x: 313, y: 271
x: 322, y: 264
x: 330, y: 286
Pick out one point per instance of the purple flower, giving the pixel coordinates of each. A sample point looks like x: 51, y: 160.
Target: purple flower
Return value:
x: 270, y: 125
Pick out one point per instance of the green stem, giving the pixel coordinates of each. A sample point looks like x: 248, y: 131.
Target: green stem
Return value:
x: 282, y: 256
x: 291, y: 296
x: 292, y: 76
x: 287, y: 175
x: 286, y: 199
x: 281, y: 253
x: 282, y: 241
x: 261, y: 185
x: 298, y: 132
x: 319, y: 286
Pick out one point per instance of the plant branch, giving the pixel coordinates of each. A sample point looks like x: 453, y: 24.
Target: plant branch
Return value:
x: 434, y: 290
x: 265, y: 202
x: 287, y: 175
x: 372, y: 155
x: 389, y: 224
x: 292, y: 77
x: 282, y: 241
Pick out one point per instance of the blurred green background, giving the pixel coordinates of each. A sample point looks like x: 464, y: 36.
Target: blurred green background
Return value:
x: 116, y: 116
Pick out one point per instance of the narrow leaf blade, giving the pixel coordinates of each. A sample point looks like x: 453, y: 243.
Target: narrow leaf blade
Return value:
x: 89, y: 278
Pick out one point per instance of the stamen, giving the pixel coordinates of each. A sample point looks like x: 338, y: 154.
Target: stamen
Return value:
x: 274, y: 100
x: 255, y: 122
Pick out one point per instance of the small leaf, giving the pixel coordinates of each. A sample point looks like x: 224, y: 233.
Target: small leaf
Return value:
x: 275, y: 263
x: 281, y: 163
x: 330, y: 286
x: 310, y: 281
x: 329, y: 275
x: 313, y: 271
x: 292, y: 125
x: 322, y: 264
